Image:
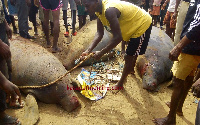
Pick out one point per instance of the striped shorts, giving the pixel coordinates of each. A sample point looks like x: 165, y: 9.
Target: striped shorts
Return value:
x: 138, y: 46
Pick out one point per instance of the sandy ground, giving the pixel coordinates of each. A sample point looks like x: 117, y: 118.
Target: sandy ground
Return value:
x: 131, y: 106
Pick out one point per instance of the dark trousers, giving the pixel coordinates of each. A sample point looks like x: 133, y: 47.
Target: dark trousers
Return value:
x: 162, y: 14
x: 22, y: 11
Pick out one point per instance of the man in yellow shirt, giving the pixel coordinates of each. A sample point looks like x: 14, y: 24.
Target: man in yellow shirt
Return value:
x: 126, y: 22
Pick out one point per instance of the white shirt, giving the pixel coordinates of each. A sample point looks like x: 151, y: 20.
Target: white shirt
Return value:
x: 172, y: 5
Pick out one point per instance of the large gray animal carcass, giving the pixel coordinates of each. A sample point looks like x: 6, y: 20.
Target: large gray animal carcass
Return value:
x: 33, y: 65
x: 154, y: 66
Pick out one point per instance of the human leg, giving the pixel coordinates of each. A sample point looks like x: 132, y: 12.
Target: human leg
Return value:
x: 46, y: 26
x: 173, y: 34
x: 65, y: 20
x: 156, y: 20
x: 80, y: 20
x: 35, y: 24
x: 172, y: 26
x: 51, y: 25
x: 129, y: 62
x: 136, y: 46
x: 13, y: 24
x: 181, y: 70
x: 187, y: 85
x: 22, y: 10
x: 73, y: 13
x: 167, y: 22
x: 176, y: 95
x: 64, y: 9
x: 73, y: 22
x: 56, y: 30
x: 84, y: 20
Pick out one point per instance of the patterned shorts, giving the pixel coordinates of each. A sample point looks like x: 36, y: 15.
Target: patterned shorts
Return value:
x: 169, y: 20
x: 138, y: 46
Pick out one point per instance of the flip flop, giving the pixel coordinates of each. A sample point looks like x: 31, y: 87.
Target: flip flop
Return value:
x: 9, y: 120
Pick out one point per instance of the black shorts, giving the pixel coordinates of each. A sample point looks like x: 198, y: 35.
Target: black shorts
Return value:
x: 51, y: 4
x: 138, y: 46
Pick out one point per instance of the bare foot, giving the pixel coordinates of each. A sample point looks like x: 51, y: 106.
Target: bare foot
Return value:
x: 55, y: 50
x: 178, y: 112
x: 163, y: 121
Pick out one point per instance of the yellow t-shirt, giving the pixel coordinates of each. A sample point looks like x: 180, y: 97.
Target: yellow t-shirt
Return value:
x: 133, y: 20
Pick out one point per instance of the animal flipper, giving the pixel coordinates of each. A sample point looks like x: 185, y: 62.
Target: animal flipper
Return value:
x: 31, y: 113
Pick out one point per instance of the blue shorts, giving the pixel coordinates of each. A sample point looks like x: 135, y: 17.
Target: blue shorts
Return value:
x: 51, y: 4
x: 138, y: 46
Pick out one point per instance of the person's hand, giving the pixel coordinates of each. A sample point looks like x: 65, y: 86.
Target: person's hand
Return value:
x: 13, y: 2
x: 12, y: 93
x: 98, y: 55
x: 4, y: 50
x: 8, y: 32
x: 196, y: 88
x: 174, y: 53
x: 82, y: 57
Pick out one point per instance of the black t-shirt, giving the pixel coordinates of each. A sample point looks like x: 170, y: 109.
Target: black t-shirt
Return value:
x: 192, y: 31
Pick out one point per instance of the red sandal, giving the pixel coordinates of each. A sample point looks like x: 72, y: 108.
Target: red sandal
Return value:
x: 74, y: 34
x: 66, y: 34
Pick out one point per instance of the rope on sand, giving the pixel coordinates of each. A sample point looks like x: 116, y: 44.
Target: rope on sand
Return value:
x: 53, y: 82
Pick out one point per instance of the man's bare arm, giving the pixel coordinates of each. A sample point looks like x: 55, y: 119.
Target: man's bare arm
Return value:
x: 112, y: 15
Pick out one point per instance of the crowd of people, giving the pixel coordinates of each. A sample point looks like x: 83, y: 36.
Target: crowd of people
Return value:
x: 131, y: 25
